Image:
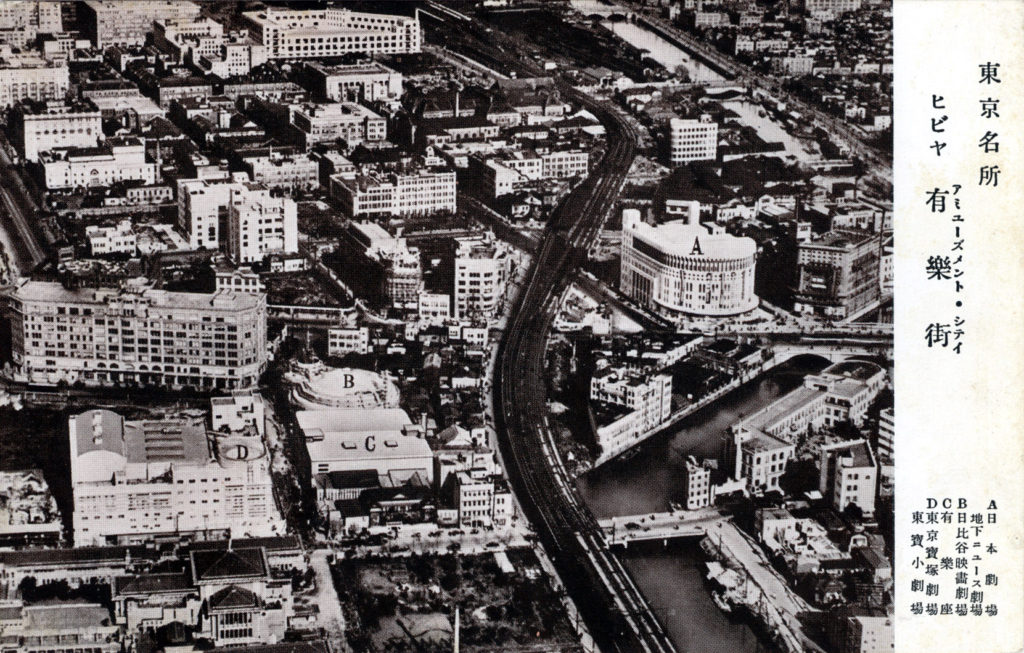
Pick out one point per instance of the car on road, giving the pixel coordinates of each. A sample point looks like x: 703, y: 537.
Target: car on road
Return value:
x: 493, y: 545
x: 632, y: 526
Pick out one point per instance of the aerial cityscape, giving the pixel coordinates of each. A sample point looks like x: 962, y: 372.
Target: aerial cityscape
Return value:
x: 446, y: 325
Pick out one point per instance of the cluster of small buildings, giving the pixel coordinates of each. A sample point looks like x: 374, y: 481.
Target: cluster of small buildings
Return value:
x: 847, y: 75
x: 761, y: 444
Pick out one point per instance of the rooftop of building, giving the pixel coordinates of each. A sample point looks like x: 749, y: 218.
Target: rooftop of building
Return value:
x: 97, y: 555
x: 356, y: 421
x: 840, y: 239
x: 55, y: 293
x: 358, y: 68
x: 65, y: 617
x: 233, y: 563
x: 158, y: 583
x: 367, y: 445
x: 354, y: 478
x: 148, y: 441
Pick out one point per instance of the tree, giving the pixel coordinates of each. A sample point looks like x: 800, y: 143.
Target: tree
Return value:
x: 800, y: 476
x: 852, y: 512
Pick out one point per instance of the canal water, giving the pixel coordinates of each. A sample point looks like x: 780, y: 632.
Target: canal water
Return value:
x: 673, y: 579
x: 660, y: 50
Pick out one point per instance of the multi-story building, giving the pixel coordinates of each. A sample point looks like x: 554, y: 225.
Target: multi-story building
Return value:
x: 853, y: 629
x: 829, y: 9
x: 108, y: 22
x: 400, y: 276
x: 298, y: 172
x: 416, y: 193
x: 886, y: 434
x: 260, y: 224
x: 331, y: 32
x: 137, y: 335
x: 28, y: 77
x: 117, y: 159
x: 483, y: 266
x: 203, y: 208
x: 685, y: 267
x: 626, y: 406
x: 133, y: 481
x: 341, y: 341
x: 848, y: 474
x: 118, y: 239
x: 842, y: 392
x: 692, y: 140
x: 43, y: 126
x: 22, y: 22
x: 366, y: 81
x: 325, y: 123
x: 757, y: 458
x: 366, y: 438
x: 187, y: 40
x: 235, y: 56
x: 480, y: 500
x: 696, y: 485
x: 838, y: 274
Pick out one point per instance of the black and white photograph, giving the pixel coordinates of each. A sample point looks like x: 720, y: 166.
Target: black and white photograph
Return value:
x: 496, y: 326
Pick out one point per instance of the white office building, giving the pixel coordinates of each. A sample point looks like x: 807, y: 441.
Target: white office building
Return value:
x: 29, y: 77
x: 137, y: 335
x: 260, y: 224
x: 43, y: 126
x: 416, y: 193
x: 693, y: 140
x: 366, y: 81
x: 331, y: 32
x: 627, y: 406
x: 483, y: 266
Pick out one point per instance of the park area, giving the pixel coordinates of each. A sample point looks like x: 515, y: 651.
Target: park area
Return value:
x: 403, y: 604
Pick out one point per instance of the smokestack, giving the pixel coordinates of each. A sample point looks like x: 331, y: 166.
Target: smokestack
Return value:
x: 455, y: 640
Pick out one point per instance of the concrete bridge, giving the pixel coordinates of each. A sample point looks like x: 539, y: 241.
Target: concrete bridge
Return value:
x: 834, y: 353
x: 620, y: 531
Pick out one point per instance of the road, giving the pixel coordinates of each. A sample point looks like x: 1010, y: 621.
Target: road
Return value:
x: 330, y: 616
x: 16, y: 202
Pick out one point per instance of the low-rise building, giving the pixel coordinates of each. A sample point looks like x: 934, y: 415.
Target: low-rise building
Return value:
x: 239, y: 411
x: 297, y: 172
x: 61, y: 628
x: 352, y: 439
x: 118, y: 239
x: 327, y: 122
x: 117, y: 160
x: 365, y: 81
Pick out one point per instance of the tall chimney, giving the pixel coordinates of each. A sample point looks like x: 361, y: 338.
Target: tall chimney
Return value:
x: 455, y: 640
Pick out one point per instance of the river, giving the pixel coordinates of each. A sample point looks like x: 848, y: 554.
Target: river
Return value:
x: 672, y: 580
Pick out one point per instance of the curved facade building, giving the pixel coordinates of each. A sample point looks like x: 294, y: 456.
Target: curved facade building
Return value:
x: 318, y: 387
x: 687, y: 268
